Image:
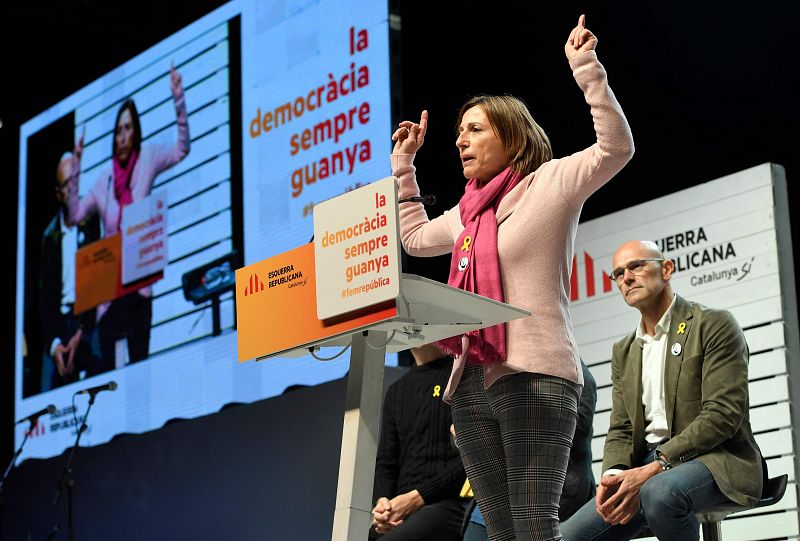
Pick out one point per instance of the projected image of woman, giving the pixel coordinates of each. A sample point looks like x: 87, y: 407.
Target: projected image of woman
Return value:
x: 130, y: 177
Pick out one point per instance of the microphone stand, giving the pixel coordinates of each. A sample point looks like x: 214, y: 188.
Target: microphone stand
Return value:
x: 67, y: 480
x: 10, y: 467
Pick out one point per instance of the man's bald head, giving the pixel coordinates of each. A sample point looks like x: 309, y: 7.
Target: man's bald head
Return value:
x: 643, y: 273
x: 648, y: 248
x: 64, y: 173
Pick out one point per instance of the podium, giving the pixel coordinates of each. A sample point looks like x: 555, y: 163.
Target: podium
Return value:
x: 347, y: 290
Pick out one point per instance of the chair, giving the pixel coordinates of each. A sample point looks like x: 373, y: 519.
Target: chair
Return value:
x: 710, y: 519
x: 773, y: 491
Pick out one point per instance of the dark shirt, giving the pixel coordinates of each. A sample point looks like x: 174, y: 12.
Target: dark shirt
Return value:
x: 579, y: 485
x: 415, y: 450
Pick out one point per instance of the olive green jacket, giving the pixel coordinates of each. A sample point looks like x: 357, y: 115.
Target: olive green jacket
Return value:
x: 705, y: 398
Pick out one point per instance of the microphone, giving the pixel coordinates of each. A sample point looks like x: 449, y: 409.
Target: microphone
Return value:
x: 110, y: 386
x: 429, y: 199
x: 33, y: 417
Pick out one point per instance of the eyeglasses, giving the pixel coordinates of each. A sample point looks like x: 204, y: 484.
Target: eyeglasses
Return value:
x: 635, y: 267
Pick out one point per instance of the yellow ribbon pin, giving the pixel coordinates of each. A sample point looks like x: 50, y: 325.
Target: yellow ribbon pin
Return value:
x: 437, y: 390
x: 681, y: 328
x: 467, y: 242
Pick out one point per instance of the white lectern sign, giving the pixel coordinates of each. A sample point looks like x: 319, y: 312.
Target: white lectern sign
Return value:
x: 144, y: 237
x: 357, y: 249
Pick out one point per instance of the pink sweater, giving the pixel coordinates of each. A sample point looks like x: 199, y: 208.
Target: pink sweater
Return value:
x: 537, y: 222
x: 154, y: 157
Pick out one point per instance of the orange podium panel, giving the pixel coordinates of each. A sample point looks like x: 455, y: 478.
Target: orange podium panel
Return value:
x: 98, y: 274
x: 276, y: 306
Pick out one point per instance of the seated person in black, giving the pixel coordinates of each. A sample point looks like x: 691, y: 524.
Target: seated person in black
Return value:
x: 418, y: 473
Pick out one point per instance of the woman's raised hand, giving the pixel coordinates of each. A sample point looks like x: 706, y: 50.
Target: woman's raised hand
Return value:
x: 580, y: 40
x: 175, y: 82
x: 408, y: 138
x: 77, y: 149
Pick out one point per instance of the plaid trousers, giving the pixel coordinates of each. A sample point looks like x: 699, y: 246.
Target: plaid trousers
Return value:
x: 515, y: 439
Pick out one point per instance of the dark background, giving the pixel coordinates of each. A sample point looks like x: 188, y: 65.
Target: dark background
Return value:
x: 708, y: 90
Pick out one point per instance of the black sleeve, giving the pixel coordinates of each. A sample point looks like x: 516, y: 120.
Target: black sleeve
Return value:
x: 446, y: 484
x: 387, y: 463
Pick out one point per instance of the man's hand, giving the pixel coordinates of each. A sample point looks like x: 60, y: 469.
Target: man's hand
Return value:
x: 404, y: 505
x: 608, y: 487
x: 72, y: 348
x: 623, y: 504
x: 388, y: 514
x: 59, y: 358
x: 381, y: 516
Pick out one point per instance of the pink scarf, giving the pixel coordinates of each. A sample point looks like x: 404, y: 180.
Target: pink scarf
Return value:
x: 122, y: 183
x: 474, y: 265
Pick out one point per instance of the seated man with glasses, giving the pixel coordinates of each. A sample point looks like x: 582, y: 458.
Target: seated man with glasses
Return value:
x: 679, y: 439
x: 70, y: 345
